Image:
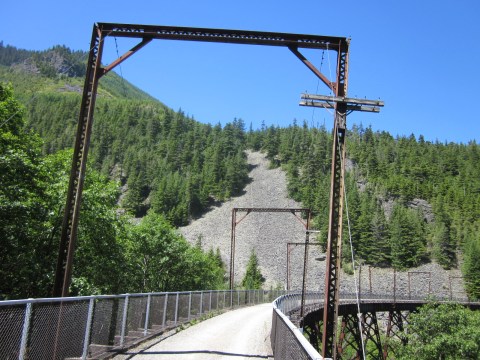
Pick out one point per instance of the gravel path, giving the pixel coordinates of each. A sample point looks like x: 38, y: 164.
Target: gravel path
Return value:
x: 238, y: 334
x: 268, y: 234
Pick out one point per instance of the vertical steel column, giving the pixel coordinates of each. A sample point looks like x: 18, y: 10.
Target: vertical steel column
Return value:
x: 77, y: 175
x: 370, y: 277
x: 334, y: 240
x: 409, y: 291
x: 394, y: 285
x: 288, y: 267
x: 304, y: 280
x: 305, y: 263
x: 201, y: 302
x: 232, y: 248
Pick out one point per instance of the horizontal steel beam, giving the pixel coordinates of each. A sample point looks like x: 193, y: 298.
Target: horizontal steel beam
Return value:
x: 349, y: 107
x: 290, y: 210
x: 355, y: 101
x: 223, y: 36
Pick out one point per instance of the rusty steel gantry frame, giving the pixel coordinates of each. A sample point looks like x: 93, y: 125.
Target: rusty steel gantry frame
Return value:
x: 293, y: 42
x: 247, y: 211
x: 290, y: 247
x: 95, y: 71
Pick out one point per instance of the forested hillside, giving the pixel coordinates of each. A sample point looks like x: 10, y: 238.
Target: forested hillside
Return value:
x: 146, y: 158
x: 168, y: 161
x: 409, y: 201
x: 113, y: 255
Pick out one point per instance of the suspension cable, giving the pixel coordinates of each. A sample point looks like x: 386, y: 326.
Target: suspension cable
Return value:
x: 357, y: 290
x: 318, y: 83
x: 120, y: 68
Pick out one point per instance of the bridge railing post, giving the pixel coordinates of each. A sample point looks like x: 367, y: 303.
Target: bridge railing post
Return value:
x: 147, y: 314
x: 176, y: 308
x: 189, y: 305
x: 124, y: 319
x: 164, y: 320
x: 25, y: 331
x: 210, y: 302
x: 88, y: 328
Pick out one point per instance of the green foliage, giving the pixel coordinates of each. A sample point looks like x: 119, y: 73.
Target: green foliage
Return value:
x: 471, y: 267
x: 381, y: 171
x: 23, y: 202
x: 161, y: 260
x: 112, y: 255
x: 169, y: 162
x: 406, y: 241
x: 253, y: 278
x: 445, y: 331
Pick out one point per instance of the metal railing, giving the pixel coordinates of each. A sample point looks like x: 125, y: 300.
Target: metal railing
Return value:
x: 97, y: 326
x: 286, y: 339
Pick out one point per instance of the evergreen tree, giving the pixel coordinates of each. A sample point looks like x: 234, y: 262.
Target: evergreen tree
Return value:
x: 253, y: 278
x: 406, y: 241
x: 471, y: 268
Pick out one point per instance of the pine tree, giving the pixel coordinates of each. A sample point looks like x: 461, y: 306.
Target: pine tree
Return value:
x: 253, y: 278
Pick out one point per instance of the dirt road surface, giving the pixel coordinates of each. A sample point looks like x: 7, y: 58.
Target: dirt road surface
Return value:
x: 238, y: 334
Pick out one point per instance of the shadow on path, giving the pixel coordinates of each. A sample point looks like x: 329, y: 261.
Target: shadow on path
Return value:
x: 148, y: 353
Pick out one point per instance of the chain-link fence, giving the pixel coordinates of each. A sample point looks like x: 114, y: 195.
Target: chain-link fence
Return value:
x: 286, y: 339
x: 94, y: 326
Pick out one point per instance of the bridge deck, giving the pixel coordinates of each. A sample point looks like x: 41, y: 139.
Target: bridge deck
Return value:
x: 239, y: 334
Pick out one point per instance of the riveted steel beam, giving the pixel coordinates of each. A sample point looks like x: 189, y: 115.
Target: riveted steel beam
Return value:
x: 249, y: 210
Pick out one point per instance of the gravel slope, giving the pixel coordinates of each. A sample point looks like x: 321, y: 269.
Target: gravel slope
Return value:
x: 239, y: 334
x: 268, y: 234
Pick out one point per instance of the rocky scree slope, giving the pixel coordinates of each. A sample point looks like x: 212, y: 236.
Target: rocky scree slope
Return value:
x: 268, y: 234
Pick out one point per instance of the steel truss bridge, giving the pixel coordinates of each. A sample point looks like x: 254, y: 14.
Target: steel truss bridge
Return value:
x: 383, y: 323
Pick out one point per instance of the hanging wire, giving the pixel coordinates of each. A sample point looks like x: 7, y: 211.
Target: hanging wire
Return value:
x: 318, y: 83
x: 357, y: 290
x: 120, y: 67
x: 330, y: 73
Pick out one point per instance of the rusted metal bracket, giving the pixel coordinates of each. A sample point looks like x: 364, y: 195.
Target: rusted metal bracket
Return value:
x: 317, y: 72
x: 125, y: 56
x: 290, y: 247
x: 294, y: 211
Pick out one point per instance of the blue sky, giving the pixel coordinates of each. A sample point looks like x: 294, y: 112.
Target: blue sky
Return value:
x: 421, y: 57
